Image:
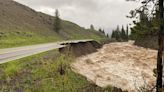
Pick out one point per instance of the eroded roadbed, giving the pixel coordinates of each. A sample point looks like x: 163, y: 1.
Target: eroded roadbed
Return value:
x: 121, y: 65
x: 10, y: 54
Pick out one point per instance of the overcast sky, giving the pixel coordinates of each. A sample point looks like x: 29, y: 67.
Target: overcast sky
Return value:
x: 106, y: 14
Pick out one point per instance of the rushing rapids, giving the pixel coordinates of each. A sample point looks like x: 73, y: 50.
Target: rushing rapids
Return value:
x: 122, y: 65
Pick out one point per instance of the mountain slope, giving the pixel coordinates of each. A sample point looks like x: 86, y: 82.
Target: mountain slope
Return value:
x: 20, y: 25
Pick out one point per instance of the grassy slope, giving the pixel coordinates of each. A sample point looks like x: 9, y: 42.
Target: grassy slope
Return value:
x: 20, y: 25
x: 40, y: 73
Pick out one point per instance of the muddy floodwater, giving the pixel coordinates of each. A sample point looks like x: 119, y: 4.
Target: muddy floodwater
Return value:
x: 121, y: 65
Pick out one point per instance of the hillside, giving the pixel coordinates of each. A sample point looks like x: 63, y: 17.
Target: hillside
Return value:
x: 20, y: 25
x: 148, y: 42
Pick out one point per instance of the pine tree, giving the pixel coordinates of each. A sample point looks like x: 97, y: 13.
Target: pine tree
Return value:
x: 100, y: 30
x: 123, y: 34
x: 103, y: 31
x: 127, y: 32
x: 107, y: 35
x: 160, y: 30
x: 113, y: 34
x: 118, y: 34
x: 141, y: 28
x: 92, y: 27
x: 57, y: 22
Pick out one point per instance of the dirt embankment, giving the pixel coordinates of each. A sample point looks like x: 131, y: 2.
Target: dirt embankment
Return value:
x: 148, y: 42
x: 81, y: 48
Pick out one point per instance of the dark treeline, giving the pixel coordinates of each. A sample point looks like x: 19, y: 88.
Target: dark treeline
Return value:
x: 120, y: 34
x: 102, y: 31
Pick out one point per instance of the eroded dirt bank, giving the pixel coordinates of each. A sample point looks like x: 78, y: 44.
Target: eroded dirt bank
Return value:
x: 121, y: 65
x: 148, y: 41
x: 80, y: 48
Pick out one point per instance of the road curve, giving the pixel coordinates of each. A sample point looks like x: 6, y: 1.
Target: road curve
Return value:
x: 10, y: 54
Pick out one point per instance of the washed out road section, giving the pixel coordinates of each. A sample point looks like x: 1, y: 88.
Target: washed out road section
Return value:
x: 10, y: 54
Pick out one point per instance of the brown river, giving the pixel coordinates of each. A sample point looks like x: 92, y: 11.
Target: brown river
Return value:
x: 121, y: 65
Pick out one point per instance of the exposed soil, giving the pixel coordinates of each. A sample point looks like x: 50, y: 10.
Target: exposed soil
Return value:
x: 150, y: 41
x: 81, y: 48
x: 122, y: 65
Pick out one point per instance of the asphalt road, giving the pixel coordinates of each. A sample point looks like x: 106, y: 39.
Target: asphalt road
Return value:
x: 10, y: 54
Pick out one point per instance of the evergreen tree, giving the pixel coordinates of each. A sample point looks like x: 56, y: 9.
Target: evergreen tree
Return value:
x: 118, y: 34
x: 103, y: 31
x: 113, y: 34
x: 148, y: 26
x: 107, y: 35
x: 57, y: 22
x: 143, y: 27
x: 127, y: 32
x: 100, y: 30
x: 123, y: 34
x: 92, y: 27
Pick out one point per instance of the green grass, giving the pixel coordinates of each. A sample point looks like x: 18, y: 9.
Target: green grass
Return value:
x: 23, y: 38
x: 14, y: 35
x: 41, y: 73
x: 14, y: 39
x: 20, y: 26
x: 18, y: 38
